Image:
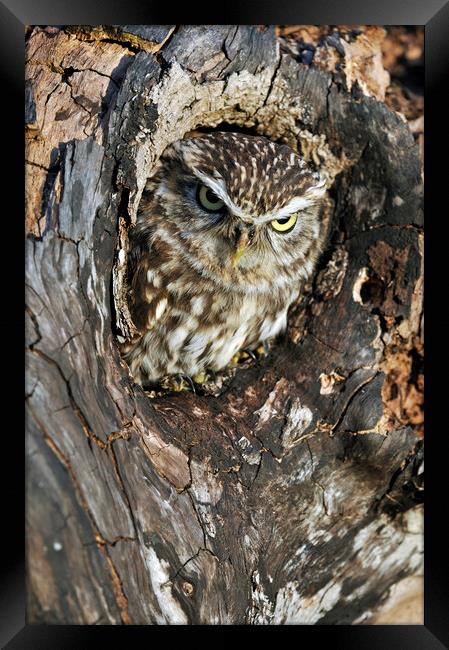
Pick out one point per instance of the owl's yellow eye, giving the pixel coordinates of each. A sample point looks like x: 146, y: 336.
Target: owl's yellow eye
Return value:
x: 286, y: 224
x: 208, y: 199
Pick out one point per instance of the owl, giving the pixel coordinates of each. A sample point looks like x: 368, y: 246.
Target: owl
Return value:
x: 228, y: 227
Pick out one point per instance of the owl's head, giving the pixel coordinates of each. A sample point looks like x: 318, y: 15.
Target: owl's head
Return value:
x: 246, y: 208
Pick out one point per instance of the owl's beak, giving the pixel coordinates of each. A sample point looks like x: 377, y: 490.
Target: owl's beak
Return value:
x: 242, y: 240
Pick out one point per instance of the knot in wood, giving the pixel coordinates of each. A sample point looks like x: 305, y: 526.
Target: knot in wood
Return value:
x: 187, y: 588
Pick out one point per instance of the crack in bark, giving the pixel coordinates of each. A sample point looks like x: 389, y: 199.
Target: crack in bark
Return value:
x: 78, y: 271
x: 272, y: 82
x: 28, y: 286
x: 82, y: 36
x: 123, y: 434
x: 47, y: 100
x: 411, y: 457
x: 317, y: 483
x: 326, y: 116
x: 264, y: 448
x: 130, y: 42
x: 323, y: 342
x: 189, y: 461
x: 78, y: 103
x: 120, y: 596
x: 323, y: 499
x: 101, y: 542
x: 350, y: 400
x: 106, y: 542
x: 90, y: 435
x: 38, y: 165
x: 36, y: 327
x: 73, y: 336
x: 178, y: 571
x: 122, y: 484
x: 198, y: 518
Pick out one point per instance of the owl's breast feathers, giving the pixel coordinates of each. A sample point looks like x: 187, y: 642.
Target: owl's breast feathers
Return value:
x: 186, y: 323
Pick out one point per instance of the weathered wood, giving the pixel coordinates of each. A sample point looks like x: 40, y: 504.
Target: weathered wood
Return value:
x: 292, y: 492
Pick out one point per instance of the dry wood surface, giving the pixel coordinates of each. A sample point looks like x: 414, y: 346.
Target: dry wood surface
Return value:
x: 291, y: 490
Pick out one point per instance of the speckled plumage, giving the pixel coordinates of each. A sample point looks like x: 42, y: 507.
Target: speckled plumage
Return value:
x: 193, y: 302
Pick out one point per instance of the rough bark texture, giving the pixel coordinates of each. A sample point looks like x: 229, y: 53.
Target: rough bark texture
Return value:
x: 293, y: 495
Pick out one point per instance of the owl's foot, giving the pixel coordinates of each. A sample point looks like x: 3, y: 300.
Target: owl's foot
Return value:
x: 243, y: 355
x: 199, y: 378
x: 177, y: 383
x: 262, y: 350
x: 180, y: 383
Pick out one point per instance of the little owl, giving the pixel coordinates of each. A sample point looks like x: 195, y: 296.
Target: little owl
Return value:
x: 228, y: 227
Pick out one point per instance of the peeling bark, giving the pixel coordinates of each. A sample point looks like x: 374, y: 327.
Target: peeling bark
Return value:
x: 290, y: 491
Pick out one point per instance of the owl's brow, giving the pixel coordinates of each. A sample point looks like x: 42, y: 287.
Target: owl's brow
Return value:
x: 218, y: 186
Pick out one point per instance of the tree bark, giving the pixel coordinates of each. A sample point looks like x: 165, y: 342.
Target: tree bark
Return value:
x: 290, y: 491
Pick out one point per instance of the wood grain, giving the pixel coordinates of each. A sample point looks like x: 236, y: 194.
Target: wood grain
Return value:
x: 292, y: 494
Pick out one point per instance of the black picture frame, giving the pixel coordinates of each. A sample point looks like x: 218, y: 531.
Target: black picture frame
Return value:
x: 14, y: 16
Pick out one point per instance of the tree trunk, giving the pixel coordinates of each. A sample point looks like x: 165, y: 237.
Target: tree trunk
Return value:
x: 290, y: 491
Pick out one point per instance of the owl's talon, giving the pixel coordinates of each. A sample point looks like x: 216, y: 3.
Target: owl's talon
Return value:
x: 178, y: 383
x: 190, y: 382
x: 261, y: 351
x: 239, y: 356
x: 243, y: 355
x: 200, y: 378
x: 250, y: 353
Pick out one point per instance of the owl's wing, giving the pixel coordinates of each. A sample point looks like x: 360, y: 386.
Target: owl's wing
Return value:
x: 146, y: 300
x: 139, y: 246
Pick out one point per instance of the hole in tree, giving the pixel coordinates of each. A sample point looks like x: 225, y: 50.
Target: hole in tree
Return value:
x: 372, y: 291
